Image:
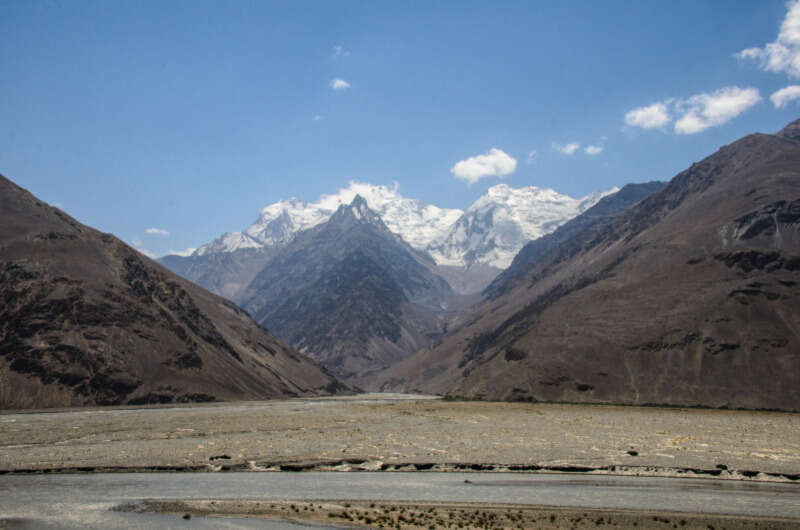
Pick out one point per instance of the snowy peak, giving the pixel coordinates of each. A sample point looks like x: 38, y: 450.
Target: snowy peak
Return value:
x: 228, y: 242
x: 277, y: 223
x: 491, y: 231
x: 418, y: 223
x: 502, y: 220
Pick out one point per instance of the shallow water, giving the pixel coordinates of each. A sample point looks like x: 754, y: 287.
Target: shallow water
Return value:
x: 71, y: 501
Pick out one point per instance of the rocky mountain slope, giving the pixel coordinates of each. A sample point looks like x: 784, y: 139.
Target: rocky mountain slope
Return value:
x: 350, y: 293
x: 690, y: 297
x: 86, y: 320
x: 606, y: 208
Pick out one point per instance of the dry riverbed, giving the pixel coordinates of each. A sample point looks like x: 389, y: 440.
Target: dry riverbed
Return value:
x: 393, y: 432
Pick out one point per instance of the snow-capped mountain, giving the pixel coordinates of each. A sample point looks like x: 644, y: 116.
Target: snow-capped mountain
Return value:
x: 419, y: 224
x: 502, y: 220
x: 490, y: 232
x: 350, y: 293
x: 228, y: 242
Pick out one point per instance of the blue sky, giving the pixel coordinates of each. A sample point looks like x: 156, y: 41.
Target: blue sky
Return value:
x: 190, y: 116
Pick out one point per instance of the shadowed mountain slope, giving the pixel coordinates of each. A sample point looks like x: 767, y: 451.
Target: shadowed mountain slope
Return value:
x: 224, y: 273
x: 690, y: 297
x: 351, y: 294
x: 86, y: 320
x: 607, y: 207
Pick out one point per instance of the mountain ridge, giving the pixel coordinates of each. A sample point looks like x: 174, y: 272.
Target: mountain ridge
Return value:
x: 350, y: 293
x: 687, y: 298
x: 87, y: 320
x: 521, y: 214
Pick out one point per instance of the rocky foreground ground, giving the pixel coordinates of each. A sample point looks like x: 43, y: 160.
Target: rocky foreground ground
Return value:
x: 415, y: 515
x: 395, y: 433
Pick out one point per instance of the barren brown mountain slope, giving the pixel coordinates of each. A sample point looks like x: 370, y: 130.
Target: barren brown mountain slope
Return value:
x: 85, y: 319
x: 691, y: 297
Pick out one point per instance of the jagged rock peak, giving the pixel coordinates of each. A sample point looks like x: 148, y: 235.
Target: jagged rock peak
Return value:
x: 359, y: 211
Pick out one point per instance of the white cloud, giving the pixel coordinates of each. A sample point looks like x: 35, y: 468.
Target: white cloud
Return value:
x: 532, y: 156
x: 567, y: 149
x: 783, y: 55
x: 157, y: 231
x: 783, y: 96
x: 697, y: 113
x: 494, y: 163
x: 703, y: 111
x: 339, y: 84
x: 593, y: 149
x: 317, y: 117
x: 185, y: 253
x: 339, y: 51
x: 650, y: 117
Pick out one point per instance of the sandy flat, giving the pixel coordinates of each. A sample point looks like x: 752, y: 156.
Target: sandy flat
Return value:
x: 392, y: 432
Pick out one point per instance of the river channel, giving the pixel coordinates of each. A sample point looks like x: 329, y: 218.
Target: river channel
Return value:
x: 86, y: 500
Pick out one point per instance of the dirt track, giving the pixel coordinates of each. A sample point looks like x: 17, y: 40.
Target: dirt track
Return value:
x: 391, y: 432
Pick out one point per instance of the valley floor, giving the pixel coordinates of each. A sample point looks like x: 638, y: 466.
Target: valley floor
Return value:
x: 397, y: 432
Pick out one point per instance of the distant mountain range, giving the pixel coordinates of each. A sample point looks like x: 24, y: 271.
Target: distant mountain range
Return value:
x: 361, y: 285
x: 87, y: 320
x: 489, y: 232
x: 687, y: 297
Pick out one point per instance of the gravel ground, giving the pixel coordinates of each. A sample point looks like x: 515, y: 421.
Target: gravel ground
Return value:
x: 416, y: 515
x: 397, y: 432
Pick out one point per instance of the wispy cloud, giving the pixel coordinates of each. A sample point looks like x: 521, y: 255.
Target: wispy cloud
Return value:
x: 782, y: 55
x: 494, y: 163
x: 339, y: 52
x: 703, y: 111
x: 649, y: 117
x: 782, y: 97
x: 339, y: 84
x: 157, y: 231
x: 532, y: 156
x: 593, y: 150
x: 567, y: 149
x: 318, y: 117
